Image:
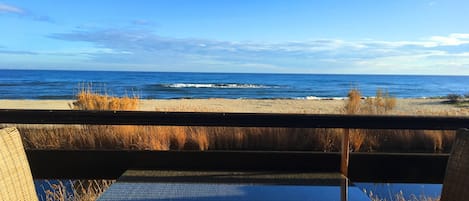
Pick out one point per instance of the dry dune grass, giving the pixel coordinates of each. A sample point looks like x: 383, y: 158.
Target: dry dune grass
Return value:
x: 88, y: 99
x: 221, y: 138
x: 78, y: 190
x: 382, y: 103
x: 227, y: 138
x: 181, y: 138
x: 401, y: 197
x: 391, y: 140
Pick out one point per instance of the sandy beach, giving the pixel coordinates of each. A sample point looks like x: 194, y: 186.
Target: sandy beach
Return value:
x: 404, y: 106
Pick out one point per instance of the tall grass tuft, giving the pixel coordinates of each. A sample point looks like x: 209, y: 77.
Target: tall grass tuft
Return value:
x: 382, y: 103
x: 390, y: 102
x: 391, y: 140
x: 353, y: 103
x: 400, y: 197
x: 81, y: 190
x: 88, y: 99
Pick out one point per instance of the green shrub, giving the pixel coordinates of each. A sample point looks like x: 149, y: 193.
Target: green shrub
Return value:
x: 454, y: 98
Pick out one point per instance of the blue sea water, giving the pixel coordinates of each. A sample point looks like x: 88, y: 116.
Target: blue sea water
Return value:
x: 48, y: 84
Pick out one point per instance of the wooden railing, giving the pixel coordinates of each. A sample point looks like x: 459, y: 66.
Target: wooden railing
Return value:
x: 371, y: 167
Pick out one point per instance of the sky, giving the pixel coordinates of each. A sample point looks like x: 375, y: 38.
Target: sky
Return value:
x: 249, y: 36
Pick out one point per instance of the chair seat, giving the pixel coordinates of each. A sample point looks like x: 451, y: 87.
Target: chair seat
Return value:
x: 16, y: 181
x: 456, y: 182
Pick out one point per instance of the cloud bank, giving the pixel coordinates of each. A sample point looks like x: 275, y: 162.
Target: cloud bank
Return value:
x: 431, y: 55
x: 130, y: 49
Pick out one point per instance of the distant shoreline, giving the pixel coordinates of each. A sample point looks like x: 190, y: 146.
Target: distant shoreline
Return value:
x: 314, y: 106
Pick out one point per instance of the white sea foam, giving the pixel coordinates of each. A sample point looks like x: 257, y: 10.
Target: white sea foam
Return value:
x: 221, y: 85
x: 322, y: 98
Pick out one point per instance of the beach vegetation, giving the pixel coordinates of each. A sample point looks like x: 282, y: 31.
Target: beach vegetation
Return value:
x: 460, y: 101
x: 390, y: 102
x: 229, y: 138
x: 353, y: 104
x: 401, y: 197
x: 382, y: 103
x: 454, y: 98
x: 88, y: 99
x: 74, y: 190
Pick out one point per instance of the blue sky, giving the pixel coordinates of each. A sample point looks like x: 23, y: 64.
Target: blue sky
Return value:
x: 329, y: 36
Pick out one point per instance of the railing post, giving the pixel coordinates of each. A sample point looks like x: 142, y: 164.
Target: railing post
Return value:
x: 344, y: 189
x: 345, y: 152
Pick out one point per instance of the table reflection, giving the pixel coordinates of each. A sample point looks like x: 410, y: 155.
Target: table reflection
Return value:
x: 229, y: 186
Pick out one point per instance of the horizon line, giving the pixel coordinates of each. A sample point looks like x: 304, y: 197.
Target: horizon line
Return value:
x: 201, y: 72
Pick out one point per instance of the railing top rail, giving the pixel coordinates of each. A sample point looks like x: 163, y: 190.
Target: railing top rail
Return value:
x: 231, y: 119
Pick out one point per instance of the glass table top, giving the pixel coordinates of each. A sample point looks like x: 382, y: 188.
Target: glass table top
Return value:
x: 231, y: 186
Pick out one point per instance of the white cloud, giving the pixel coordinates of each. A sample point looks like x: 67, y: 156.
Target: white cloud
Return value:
x: 451, y: 40
x: 460, y: 35
x: 10, y: 9
x: 24, y: 14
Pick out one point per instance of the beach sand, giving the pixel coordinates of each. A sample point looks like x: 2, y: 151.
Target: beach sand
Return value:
x: 404, y: 106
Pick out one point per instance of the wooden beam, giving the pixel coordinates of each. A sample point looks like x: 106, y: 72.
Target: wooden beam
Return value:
x: 397, y: 167
x: 364, y: 167
x: 231, y: 119
x: 345, y: 151
x: 111, y: 164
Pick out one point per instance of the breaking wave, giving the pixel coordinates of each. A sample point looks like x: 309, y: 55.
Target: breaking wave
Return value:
x: 220, y: 85
x: 320, y: 98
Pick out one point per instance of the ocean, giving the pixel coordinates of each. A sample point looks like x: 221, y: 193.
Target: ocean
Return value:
x: 51, y: 84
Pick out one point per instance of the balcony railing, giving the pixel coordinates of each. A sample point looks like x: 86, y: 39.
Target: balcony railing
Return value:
x: 110, y: 164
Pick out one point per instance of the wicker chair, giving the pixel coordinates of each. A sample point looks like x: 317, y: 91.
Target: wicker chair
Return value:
x: 456, y: 183
x: 16, y: 181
